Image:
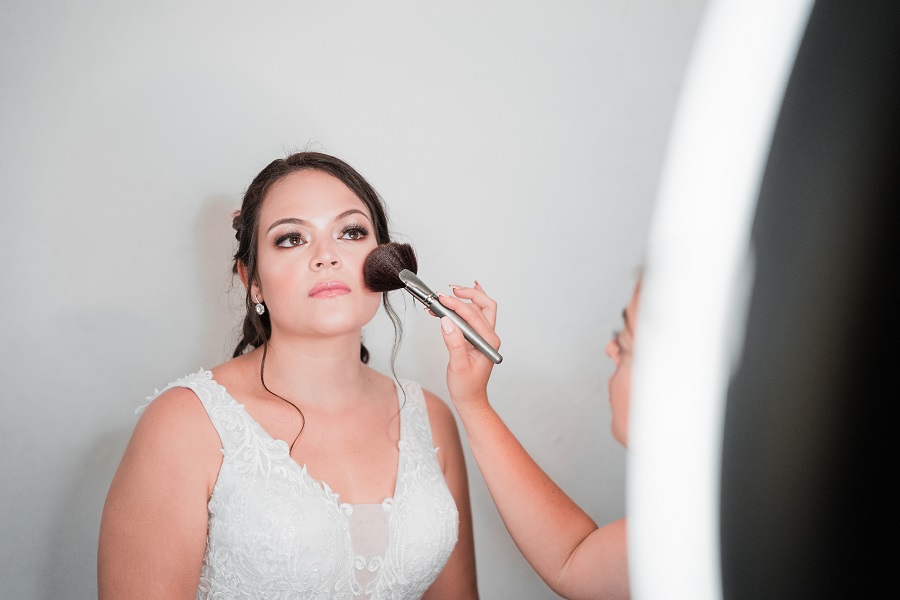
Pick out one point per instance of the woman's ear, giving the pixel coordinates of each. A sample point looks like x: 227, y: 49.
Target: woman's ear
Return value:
x: 242, y: 272
x: 245, y: 277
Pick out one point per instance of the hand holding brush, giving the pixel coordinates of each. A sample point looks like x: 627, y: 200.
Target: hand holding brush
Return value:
x: 393, y: 266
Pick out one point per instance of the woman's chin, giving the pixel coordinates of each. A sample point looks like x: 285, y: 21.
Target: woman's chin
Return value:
x: 332, y: 318
x: 330, y: 326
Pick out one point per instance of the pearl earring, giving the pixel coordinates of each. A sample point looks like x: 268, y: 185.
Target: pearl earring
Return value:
x: 260, y: 307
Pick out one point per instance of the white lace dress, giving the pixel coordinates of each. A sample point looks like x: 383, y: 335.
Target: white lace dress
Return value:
x: 277, y: 533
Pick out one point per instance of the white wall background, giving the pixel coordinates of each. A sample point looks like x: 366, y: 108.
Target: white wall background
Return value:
x: 516, y: 143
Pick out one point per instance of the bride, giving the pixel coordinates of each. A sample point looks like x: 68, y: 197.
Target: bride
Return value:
x: 294, y: 470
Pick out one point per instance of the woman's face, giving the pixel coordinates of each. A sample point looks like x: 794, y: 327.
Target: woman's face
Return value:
x: 314, y: 236
x: 620, y: 351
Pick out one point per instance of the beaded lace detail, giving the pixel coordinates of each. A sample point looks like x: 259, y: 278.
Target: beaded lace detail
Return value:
x: 274, y: 532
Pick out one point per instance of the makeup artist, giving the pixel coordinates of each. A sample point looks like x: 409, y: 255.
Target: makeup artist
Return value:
x: 573, y: 556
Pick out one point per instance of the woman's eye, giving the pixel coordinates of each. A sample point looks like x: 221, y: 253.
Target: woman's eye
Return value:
x: 354, y: 233
x: 289, y: 240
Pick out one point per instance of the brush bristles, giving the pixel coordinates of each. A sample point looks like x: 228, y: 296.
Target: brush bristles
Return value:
x: 383, y: 265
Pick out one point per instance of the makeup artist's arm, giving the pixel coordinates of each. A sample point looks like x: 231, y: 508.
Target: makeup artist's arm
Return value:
x: 153, y: 529
x: 560, y: 541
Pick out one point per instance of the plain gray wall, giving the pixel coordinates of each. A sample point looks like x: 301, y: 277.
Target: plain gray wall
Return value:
x: 516, y: 143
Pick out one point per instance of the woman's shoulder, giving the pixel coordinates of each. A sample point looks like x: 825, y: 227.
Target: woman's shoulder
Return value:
x: 179, y: 395
x: 174, y: 445
x: 173, y: 412
x: 444, y: 431
x: 436, y: 407
x: 178, y: 415
x: 438, y: 410
x: 439, y: 414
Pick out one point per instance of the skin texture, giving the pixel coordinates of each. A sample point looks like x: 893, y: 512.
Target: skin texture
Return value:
x: 153, y: 530
x: 575, y: 557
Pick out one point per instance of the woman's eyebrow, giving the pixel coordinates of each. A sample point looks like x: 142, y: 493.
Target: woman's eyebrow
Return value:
x: 296, y: 221
x: 352, y: 211
x: 291, y: 220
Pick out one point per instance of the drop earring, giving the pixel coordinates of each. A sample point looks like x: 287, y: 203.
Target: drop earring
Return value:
x: 260, y: 307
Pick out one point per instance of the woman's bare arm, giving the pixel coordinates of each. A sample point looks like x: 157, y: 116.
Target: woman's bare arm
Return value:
x: 153, y: 529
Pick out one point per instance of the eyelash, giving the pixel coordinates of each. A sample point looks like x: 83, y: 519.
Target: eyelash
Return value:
x: 360, y: 229
x: 290, y: 234
x: 363, y: 232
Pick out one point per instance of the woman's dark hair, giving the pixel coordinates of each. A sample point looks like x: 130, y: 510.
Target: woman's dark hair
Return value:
x: 256, y: 329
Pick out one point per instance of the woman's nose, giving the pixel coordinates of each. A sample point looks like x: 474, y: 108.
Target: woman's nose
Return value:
x: 324, y: 257
x: 611, y: 349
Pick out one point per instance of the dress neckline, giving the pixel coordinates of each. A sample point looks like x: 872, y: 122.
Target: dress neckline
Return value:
x: 301, y: 469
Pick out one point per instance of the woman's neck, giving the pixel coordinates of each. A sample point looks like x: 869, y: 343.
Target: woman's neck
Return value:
x: 326, y: 371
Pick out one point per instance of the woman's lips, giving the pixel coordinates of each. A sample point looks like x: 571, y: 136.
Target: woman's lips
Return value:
x: 329, y: 289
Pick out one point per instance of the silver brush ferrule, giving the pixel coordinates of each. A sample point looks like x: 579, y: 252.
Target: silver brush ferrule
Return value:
x: 426, y: 296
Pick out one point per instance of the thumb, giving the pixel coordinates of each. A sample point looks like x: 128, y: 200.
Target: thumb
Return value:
x: 454, y: 340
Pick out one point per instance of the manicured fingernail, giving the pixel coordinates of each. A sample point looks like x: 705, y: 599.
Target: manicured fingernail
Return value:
x: 446, y: 324
x: 455, y: 286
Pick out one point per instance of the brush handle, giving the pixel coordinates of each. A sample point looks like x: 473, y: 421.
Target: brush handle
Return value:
x: 424, y: 294
x: 470, y: 334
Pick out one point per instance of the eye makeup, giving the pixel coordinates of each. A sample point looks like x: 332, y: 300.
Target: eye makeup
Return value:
x: 358, y: 228
x: 295, y: 237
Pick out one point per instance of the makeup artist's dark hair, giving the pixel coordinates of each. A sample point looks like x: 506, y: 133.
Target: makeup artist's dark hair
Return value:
x: 256, y: 329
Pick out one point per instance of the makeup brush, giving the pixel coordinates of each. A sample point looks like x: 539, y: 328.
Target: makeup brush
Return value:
x: 392, y: 266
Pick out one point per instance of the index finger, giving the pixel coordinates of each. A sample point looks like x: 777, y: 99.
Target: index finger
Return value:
x: 472, y: 315
x: 479, y: 298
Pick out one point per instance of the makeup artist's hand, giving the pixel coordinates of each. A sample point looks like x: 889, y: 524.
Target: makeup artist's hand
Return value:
x: 469, y: 370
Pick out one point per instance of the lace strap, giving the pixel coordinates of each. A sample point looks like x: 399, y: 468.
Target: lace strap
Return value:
x: 414, y: 424
x: 227, y: 416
